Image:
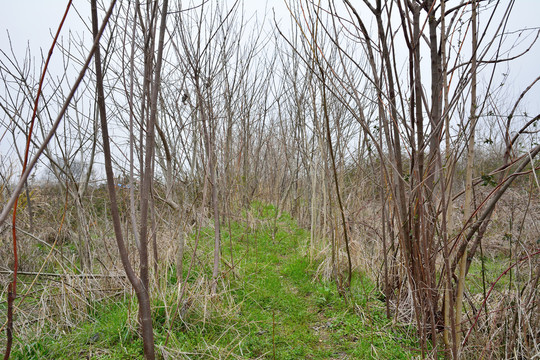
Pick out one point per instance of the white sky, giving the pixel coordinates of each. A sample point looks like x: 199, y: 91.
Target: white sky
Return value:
x: 32, y: 23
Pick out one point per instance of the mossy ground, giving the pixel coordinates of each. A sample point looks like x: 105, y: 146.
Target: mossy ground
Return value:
x: 270, y: 306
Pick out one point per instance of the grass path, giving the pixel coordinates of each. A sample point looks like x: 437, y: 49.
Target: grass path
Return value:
x: 287, y: 312
x: 271, y: 307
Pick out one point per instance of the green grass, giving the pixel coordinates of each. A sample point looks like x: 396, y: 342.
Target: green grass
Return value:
x: 493, y: 268
x: 271, y: 303
x: 107, y: 336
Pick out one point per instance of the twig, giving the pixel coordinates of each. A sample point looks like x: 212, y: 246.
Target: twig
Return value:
x: 491, y: 289
x: 12, y: 291
x: 35, y: 273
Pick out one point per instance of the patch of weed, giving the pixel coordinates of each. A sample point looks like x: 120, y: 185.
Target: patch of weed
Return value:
x: 269, y: 303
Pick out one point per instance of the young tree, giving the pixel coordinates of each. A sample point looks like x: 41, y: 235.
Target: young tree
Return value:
x: 140, y: 282
x: 413, y: 110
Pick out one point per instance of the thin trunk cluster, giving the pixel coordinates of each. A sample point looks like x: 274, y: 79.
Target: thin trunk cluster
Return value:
x: 368, y: 122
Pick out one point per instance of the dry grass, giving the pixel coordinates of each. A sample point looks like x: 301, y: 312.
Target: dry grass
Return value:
x: 510, y: 328
x: 60, y: 297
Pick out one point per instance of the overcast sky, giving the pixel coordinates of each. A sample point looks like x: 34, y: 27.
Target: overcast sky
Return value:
x: 33, y: 22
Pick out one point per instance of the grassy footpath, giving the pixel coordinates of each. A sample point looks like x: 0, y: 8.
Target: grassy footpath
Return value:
x: 271, y: 306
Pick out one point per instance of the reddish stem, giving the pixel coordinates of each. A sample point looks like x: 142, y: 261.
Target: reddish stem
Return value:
x: 12, y: 293
x: 491, y: 289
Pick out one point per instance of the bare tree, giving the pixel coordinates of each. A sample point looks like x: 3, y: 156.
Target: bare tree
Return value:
x: 414, y: 111
x: 139, y: 282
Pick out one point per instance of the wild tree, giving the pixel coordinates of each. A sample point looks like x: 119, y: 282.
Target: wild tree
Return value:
x: 413, y: 111
x: 30, y: 163
x: 139, y: 282
x: 218, y: 87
